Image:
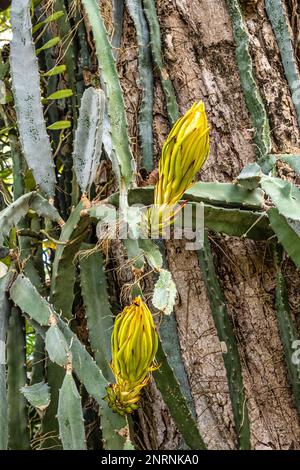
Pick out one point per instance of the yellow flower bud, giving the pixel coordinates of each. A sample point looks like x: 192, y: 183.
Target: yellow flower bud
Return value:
x: 134, y: 344
x: 184, y: 152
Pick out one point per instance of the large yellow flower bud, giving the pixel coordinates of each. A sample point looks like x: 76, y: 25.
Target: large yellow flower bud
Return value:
x: 134, y: 344
x: 183, y: 154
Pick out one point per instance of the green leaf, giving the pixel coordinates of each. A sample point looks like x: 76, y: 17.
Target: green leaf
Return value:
x: 54, y: 17
x: 55, y: 71
x: 4, y: 68
x: 51, y: 43
x: 164, y: 294
x: 59, y: 125
x: 151, y: 253
x: 38, y: 395
x: 60, y: 94
x: 5, y: 173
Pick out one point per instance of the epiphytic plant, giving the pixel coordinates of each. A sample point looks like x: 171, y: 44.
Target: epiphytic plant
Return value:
x: 59, y: 126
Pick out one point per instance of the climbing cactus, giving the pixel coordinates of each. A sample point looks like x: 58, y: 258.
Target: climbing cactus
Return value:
x: 78, y: 153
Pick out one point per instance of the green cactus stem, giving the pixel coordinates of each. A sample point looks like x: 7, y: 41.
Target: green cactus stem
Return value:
x: 116, y: 109
x: 288, y: 334
x: 70, y: 416
x: 231, y: 355
x: 64, y: 269
x: 35, y: 141
x: 279, y: 20
x: 18, y: 427
x: 170, y: 389
x: 171, y: 103
x: 136, y: 12
x: 97, y: 308
x: 4, y: 316
x: 118, y: 18
x: 251, y: 91
x: 83, y: 364
x: 286, y: 234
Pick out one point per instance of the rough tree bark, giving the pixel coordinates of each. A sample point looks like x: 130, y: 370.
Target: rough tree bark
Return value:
x: 199, y: 51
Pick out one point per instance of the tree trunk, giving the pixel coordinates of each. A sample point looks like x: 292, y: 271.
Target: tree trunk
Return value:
x: 199, y: 53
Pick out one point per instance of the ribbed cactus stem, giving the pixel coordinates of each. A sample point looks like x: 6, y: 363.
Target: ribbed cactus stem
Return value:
x: 64, y: 269
x: 172, y: 107
x: 68, y: 53
x: 251, y: 91
x: 83, y: 364
x: 18, y: 426
x: 145, y: 82
x: 220, y: 213
x: 170, y: 343
x: 4, y: 316
x: 12, y: 214
x: 97, y: 308
x: 231, y: 355
x: 38, y: 362
x: 35, y: 141
x: 177, y: 403
x: 286, y: 234
x: 279, y: 20
x: 116, y: 108
x: 118, y: 18
x: 88, y: 137
x: 70, y: 416
x: 288, y: 331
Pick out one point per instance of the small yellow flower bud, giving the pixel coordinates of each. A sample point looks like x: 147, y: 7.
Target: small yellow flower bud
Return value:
x: 134, y: 344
